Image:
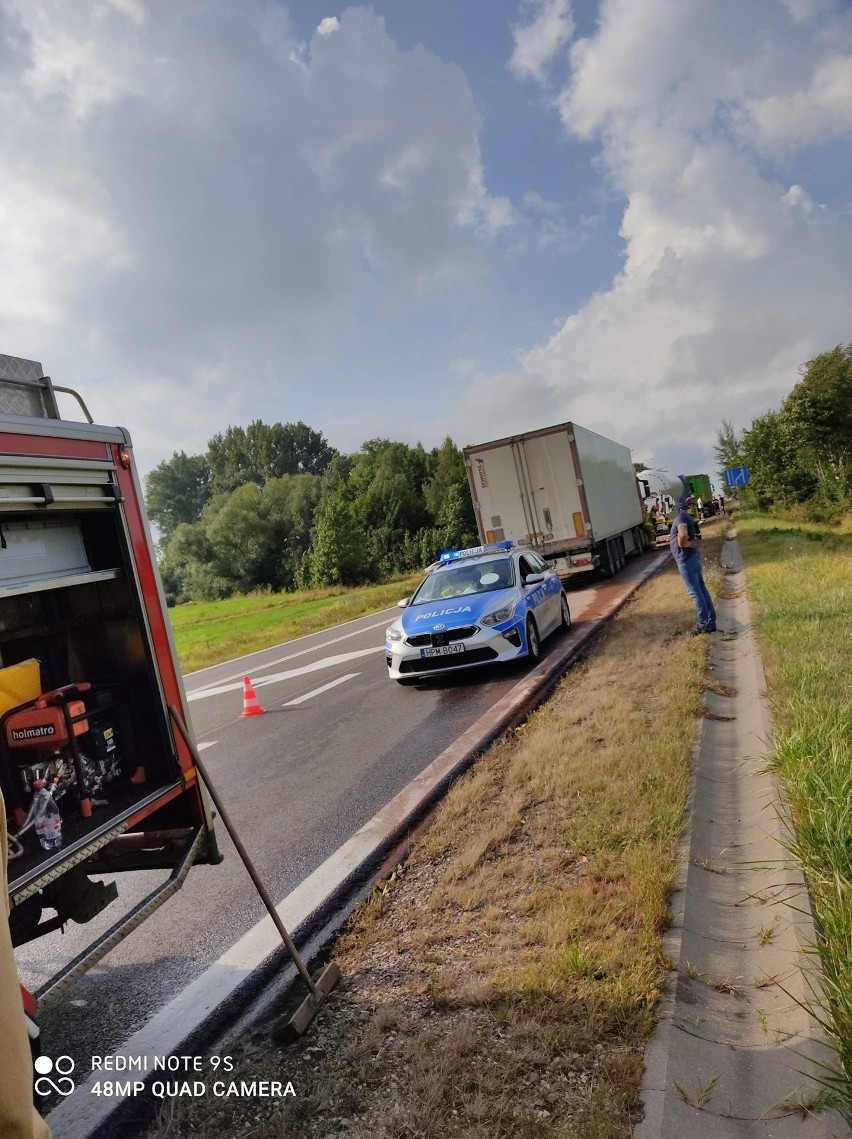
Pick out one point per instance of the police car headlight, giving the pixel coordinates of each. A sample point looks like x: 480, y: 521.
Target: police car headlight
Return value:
x: 498, y: 615
x: 393, y: 634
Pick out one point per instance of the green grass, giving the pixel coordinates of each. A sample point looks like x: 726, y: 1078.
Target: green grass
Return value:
x: 215, y: 631
x: 800, y: 584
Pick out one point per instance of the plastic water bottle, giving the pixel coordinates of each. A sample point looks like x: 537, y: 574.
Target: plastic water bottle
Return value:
x: 48, y: 820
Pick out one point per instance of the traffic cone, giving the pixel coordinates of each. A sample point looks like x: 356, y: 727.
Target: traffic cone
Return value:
x: 251, y: 705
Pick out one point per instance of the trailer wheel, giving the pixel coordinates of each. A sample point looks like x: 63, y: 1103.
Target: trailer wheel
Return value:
x: 613, y: 559
x: 607, y: 563
x: 533, y: 640
x: 566, y: 613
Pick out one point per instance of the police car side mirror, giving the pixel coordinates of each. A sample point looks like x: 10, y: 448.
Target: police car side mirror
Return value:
x: 533, y: 578
x: 402, y: 604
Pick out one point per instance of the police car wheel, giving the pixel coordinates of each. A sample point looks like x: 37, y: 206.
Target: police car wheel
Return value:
x: 533, y: 642
x: 566, y: 613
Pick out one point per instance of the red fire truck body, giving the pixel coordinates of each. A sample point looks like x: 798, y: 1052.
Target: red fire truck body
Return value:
x: 90, y: 688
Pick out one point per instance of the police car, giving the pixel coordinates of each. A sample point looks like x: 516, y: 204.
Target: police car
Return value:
x: 488, y: 603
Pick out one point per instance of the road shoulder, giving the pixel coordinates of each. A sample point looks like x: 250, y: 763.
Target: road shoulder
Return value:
x: 735, y: 1050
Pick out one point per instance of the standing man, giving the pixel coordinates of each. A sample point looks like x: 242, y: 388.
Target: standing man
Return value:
x: 684, y: 546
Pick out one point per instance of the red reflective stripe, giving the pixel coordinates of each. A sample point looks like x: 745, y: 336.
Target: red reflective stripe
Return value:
x: 157, y: 619
x: 28, y: 1000
x: 56, y: 447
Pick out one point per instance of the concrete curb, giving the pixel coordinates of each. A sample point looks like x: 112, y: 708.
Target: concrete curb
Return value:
x: 732, y: 1053
x: 317, y: 908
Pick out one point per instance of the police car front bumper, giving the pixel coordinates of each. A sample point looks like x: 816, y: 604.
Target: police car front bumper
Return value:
x: 425, y: 654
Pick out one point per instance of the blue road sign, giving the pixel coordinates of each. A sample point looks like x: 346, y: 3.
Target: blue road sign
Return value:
x: 736, y: 476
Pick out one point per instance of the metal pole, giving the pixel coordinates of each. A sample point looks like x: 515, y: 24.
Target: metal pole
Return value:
x: 241, y: 850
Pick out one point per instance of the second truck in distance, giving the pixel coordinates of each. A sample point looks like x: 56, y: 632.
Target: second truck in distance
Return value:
x: 566, y: 491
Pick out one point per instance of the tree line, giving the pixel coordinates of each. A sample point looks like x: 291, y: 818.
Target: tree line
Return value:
x: 800, y: 457
x: 275, y: 507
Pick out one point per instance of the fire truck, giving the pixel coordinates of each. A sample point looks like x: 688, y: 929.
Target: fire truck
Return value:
x: 93, y: 713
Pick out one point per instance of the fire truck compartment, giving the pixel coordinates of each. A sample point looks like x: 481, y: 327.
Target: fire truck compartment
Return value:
x: 67, y: 599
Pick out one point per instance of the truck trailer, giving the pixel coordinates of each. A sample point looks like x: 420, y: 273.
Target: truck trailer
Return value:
x: 699, y: 486
x: 92, y: 705
x: 567, y: 492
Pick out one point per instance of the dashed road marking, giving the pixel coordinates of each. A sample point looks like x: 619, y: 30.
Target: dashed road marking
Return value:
x: 317, y: 691
x: 275, y: 678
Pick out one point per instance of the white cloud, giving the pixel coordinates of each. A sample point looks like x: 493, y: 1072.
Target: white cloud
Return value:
x: 731, y: 277
x: 463, y: 366
x: 817, y: 112
x: 135, y: 10
x: 539, y: 41
x: 196, y: 208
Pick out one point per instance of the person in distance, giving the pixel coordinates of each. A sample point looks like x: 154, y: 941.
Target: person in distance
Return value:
x: 684, y: 547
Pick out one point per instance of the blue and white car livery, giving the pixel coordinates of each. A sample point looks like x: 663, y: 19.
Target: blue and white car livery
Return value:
x: 489, y: 603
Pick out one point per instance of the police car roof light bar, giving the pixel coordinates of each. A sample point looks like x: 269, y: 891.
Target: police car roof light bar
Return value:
x: 475, y: 551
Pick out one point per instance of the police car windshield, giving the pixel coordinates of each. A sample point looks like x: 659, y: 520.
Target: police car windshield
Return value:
x: 464, y: 579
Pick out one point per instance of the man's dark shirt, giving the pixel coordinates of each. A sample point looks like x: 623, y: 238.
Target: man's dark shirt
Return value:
x: 681, y: 555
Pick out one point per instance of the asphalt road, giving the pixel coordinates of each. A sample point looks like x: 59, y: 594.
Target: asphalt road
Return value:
x: 338, y: 740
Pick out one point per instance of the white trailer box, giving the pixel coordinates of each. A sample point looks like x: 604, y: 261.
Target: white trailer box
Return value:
x: 566, y: 491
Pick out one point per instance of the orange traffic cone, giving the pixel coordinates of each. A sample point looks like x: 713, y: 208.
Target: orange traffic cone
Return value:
x: 251, y: 705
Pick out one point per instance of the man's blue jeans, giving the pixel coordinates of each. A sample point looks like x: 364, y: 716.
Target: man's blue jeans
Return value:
x: 690, y: 571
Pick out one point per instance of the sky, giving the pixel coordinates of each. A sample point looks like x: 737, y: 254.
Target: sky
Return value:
x: 411, y: 219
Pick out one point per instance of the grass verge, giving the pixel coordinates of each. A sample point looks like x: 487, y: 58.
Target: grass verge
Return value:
x: 800, y: 585
x: 503, y: 984
x: 211, y: 632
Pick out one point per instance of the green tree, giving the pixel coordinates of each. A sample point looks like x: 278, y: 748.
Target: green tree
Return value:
x: 291, y: 504
x: 386, y: 497
x: 818, y: 416
x: 729, y: 447
x: 801, y: 455
x: 238, y: 532
x: 776, y: 475
x: 359, y: 518
x: 453, y: 529
x: 261, y: 452
x: 446, y: 470
x: 176, y: 491
x: 189, y: 567
x: 337, y: 554
x: 304, y: 451
x: 447, y: 497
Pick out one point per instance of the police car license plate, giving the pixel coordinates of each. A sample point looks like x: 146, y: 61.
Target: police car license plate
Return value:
x: 442, y: 651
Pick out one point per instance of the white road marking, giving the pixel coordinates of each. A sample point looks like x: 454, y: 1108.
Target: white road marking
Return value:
x: 208, y: 743
x: 292, y: 656
x: 326, y: 662
x: 317, y: 691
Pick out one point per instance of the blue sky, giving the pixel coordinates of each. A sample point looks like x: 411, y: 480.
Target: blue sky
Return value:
x: 410, y: 219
